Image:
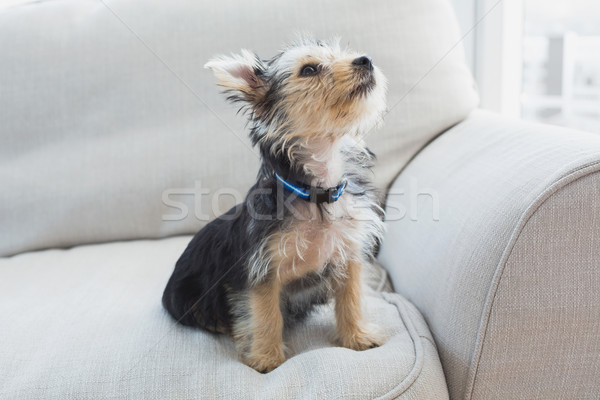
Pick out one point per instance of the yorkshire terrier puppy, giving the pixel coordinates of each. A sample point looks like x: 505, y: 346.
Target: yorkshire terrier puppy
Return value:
x: 310, y: 221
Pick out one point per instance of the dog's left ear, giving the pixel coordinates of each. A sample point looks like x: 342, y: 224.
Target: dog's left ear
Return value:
x: 241, y: 74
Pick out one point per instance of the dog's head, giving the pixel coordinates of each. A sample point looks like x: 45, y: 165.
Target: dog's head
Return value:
x: 310, y: 89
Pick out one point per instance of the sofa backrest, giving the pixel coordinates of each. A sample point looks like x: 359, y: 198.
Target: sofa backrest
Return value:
x: 111, y: 129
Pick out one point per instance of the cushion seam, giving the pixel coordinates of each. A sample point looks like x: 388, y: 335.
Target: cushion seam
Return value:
x: 415, y: 371
x: 430, y: 340
x: 578, y: 173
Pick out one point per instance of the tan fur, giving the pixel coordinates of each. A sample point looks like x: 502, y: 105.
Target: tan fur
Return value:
x: 266, y: 351
x: 322, y: 108
x: 317, y: 103
x: 311, y: 242
x: 316, y: 124
x: 351, y: 328
x: 306, y: 248
x: 295, y: 254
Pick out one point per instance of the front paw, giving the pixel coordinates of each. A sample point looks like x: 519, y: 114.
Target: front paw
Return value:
x: 266, y: 360
x: 361, y: 339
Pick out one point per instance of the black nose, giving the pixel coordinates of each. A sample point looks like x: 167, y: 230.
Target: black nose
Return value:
x: 364, y: 62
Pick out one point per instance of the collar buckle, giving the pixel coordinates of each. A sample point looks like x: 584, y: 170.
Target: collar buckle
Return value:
x: 315, y: 194
x: 321, y: 195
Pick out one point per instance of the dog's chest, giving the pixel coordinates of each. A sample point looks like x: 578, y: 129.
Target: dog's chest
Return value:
x: 315, y: 239
x: 312, y: 243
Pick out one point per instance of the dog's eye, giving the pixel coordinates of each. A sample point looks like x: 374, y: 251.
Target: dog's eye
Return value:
x: 308, y: 70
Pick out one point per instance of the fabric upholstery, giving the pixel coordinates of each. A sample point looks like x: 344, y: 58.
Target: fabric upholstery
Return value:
x: 106, y: 109
x: 507, y: 276
x: 543, y: 334
x: 87, y: 323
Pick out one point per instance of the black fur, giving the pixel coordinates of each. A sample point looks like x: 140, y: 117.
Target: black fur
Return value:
x: 214, y: 268
x: 215, y: 263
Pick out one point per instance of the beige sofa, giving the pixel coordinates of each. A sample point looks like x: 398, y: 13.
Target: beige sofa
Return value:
x: 116, y: 146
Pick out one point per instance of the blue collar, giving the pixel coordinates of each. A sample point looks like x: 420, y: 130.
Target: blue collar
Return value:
x: 315, y: 194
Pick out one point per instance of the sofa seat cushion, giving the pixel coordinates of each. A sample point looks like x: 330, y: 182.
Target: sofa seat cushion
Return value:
x: 88, y: 323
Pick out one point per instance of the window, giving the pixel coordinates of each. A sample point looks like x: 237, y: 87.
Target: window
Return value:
x: 536, y: 59
x: 561, y: 63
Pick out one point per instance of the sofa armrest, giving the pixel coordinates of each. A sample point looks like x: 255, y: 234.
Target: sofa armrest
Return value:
x: 494, y: 234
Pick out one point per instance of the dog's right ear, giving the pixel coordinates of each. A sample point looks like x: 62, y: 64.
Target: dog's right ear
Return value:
x: 241, y: 75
